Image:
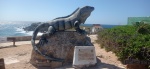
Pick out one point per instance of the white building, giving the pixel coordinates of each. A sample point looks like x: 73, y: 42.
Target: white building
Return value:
x: 93, y: 28
x: 96, y: 28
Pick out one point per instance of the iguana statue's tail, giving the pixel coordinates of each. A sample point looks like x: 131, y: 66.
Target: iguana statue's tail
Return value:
x: 34, y: 45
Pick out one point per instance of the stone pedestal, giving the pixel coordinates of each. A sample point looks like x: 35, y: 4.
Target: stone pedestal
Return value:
x: 60, y: 45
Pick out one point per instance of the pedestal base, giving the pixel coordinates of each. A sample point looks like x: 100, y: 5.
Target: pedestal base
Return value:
x: 60, y: 45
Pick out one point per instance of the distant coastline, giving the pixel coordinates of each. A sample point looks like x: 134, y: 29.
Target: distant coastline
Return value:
x: 103, y: 25
x: 17, y: 28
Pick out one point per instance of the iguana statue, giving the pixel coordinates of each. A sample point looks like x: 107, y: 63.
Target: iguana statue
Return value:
x: 60, y: 24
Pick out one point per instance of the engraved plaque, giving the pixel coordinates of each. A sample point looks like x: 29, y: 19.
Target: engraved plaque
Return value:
x: 84, y: 55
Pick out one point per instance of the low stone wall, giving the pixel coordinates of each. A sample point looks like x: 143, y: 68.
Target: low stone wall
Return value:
x: 21, y: 38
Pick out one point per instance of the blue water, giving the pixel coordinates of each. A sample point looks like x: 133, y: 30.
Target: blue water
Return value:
x: 103, y: 25
x: 109, y: 26
x: 15, y: 28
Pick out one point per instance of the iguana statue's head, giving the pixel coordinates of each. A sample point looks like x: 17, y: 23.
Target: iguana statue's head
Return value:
x: 85, y: 13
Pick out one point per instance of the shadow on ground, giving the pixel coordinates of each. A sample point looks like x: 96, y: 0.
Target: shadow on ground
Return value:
x: 99, y: 65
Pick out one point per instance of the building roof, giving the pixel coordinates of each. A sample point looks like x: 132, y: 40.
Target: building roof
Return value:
x: 132, y: 20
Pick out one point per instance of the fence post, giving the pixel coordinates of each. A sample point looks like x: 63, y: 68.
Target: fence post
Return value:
x: 2, y: 64
x: 14, y: 40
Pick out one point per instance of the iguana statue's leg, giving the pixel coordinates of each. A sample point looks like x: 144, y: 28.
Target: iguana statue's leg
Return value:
x: 43, y: 38
x: 77, y: 28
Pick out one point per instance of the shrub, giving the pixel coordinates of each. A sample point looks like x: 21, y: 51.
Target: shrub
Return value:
x: 127, y: 41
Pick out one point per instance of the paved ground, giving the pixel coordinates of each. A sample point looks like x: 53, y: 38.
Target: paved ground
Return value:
x: 17, y: 43
x: 10, y: 44
x: 18, y: 57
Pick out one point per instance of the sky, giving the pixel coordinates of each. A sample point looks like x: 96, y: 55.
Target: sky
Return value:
x: 114, y: 12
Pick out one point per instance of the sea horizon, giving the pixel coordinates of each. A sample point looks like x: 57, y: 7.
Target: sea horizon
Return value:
x: 15, y: 28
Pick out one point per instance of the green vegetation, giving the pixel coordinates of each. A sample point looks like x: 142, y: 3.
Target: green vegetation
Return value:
x: 127, y: 41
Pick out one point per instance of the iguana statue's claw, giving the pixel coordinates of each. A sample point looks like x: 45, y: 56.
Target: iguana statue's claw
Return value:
x: 42, y: 41
x: 82, y: 32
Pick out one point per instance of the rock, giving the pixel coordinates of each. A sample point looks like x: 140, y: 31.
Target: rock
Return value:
x: 33, y: 26
x: 60, y: 45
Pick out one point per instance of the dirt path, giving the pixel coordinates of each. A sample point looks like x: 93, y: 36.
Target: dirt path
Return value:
x: 108, y: 59
x: 18, y: 57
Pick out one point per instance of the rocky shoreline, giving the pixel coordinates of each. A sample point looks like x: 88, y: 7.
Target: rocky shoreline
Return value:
x: 33, y: 26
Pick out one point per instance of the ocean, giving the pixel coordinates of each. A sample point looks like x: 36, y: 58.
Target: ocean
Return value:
x: 15, y: 28
x: 103, y: 25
